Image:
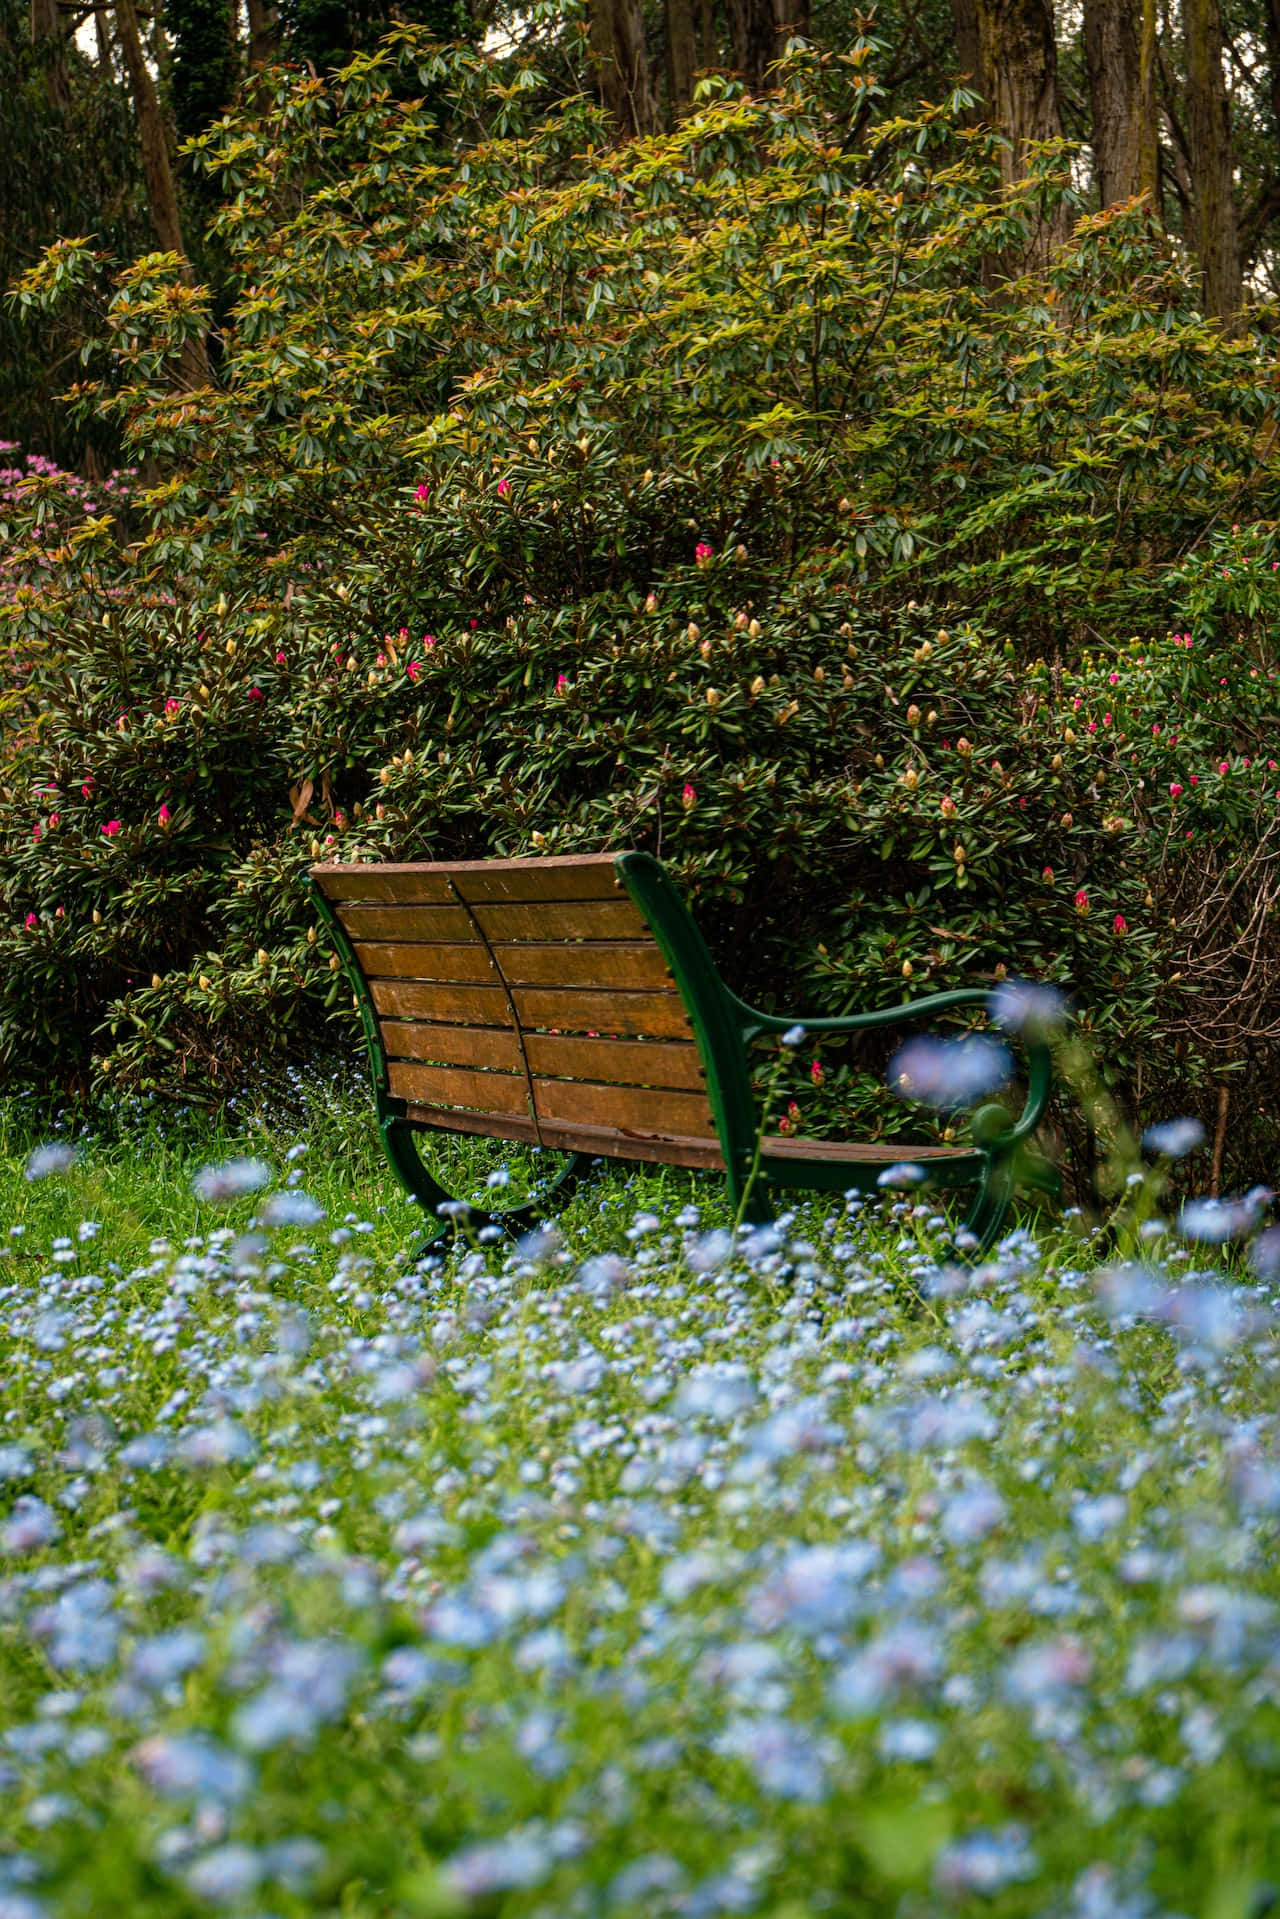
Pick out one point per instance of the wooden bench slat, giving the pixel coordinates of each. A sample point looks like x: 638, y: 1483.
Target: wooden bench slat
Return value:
x: 673, y: 1064
x: 624, y: 1015
x: 464, y: 1005
x: 505, y: 1093
x: 462, y: 963
x: 383, y: 885
x: 634, y: 965
x: 607, y: 1141
x: 537, y: 920
x: 405, y: 923
x: 628, y: 1109
x: 886, y: 1152
x: 492, y: 1046
x: 548, y: 877
x: 589, y: 878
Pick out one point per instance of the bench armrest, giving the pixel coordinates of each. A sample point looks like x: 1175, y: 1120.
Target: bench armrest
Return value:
x: 756, y: 1024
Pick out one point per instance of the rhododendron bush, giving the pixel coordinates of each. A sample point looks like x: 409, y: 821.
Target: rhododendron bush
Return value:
x: 694, y: 495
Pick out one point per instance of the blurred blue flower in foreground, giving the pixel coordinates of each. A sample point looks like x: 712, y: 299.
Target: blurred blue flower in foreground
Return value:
x: 949, y: 1073
x: 1212, y: 1222
x: 56, y: 1157
x: 292, y: 1209
x: 216, y: 1185
x: 1020, y: 1006
x: 1174, y: 1138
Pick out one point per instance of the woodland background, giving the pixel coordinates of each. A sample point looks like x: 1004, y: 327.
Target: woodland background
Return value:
x: 1179, y: 104
x: 836, y: 452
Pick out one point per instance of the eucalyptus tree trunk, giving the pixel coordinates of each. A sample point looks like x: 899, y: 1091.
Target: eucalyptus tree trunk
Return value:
x: 264, y: 32
x: 50, y: 41
x: 1212, y: 166
x: 964, y: 14
x: 682, y: 54
x: 615, y: 31
x: 758, y: 34
x: 162, y: 198
x: 1018, y: 57
x: 1121, y: 98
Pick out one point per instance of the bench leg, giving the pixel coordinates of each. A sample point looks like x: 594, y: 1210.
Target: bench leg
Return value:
x: 986, y: 1215
x: 401, y: 1142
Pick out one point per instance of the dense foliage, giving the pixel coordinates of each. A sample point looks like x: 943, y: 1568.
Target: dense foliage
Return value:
x: 783, y: 550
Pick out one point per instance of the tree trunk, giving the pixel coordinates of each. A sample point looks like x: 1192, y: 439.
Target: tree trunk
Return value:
x: 969, y: 56
x: 103, y: 35
x: 1018, y: 58
x: 1149, y: 147
x: 264, y: 32
x: 1113, y: 59
x: 790, y: 17
x: 50, y: 42
x: 752, y: 39
x: 1212, y: 170
x: 710, y: 47
x: 616, y: 38
x: 682, y: 55
x: 162, y: 198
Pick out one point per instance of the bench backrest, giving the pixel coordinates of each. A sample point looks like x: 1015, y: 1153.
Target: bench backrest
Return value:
x: 527, y: 999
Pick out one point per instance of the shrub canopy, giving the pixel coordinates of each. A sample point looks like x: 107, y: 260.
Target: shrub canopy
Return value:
x: 730, y: 494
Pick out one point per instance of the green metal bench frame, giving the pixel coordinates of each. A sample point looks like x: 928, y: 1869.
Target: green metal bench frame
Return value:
x: 724, y: 1026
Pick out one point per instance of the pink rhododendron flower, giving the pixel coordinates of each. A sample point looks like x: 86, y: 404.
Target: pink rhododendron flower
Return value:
x: 816, y: 1073
x: 422, y: 493
x: 1119, y: 924
x: 111, y: 828
x: 702, y: 552
x: 165, y: 815
x: 256, y: 693
x: 279, y: 659
x: 171, y: 707
x: 30, y: 921
x: 1047, y: 876
x: 413, y: 669
x: 504, y: 487
x: 1175, y: 791
x: 1223, y: 767
x: 428, y: 639
x: 561, y: 682
x: 689, y: 797
x: 1081, y: 902
x: 55, y: 819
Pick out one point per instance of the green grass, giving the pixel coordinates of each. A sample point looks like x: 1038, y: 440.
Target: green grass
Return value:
x: 623, y: 1571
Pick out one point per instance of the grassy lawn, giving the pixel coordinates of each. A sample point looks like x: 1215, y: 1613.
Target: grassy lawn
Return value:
x: 627, y: 1570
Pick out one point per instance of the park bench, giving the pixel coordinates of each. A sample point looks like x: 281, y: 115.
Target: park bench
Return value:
x: 571, y: 1003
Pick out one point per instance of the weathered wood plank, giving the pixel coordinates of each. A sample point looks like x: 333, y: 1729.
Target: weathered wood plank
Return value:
x: 381, y: 885
x: 636, y: 965
x: 602, y: 1140
x: 405, y: 923
x: 629, y: 1109
x: 463, y: 1005
x: 573, y: 876
x: 493, y: 1046
x: 884, y: 1153
x: 616, y: 1062
x: 501, y: 924
x: 462, y: 963
x: 505, y: 1093
x: 610, y: 1014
